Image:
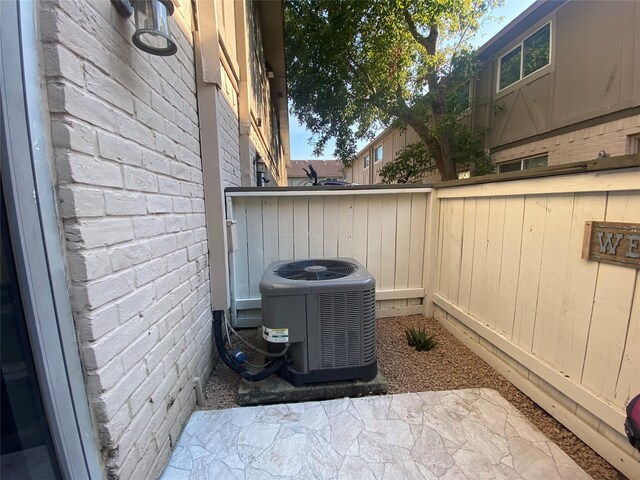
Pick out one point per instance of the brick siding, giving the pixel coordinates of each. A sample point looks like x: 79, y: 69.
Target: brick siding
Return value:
x: 125, y: 138
x: 579, y: 145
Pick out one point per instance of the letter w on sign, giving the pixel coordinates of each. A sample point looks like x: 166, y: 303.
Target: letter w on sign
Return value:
x: 608, y: 244
x: 612, y: 242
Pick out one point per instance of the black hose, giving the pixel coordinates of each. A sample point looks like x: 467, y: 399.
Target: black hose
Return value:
x: 232, y: 364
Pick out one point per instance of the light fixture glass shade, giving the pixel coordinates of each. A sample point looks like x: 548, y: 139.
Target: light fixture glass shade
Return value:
x: 152, y: 27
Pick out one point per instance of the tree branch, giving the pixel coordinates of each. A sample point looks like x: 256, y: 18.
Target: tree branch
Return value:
x: 429, y: 42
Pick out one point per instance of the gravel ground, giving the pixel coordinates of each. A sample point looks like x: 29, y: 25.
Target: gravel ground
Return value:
x: 449, y: 366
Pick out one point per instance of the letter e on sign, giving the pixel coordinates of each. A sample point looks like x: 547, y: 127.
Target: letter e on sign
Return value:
x: 612, y: 242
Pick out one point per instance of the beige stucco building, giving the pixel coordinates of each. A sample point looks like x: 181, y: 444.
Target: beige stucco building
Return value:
x: 560, y: 83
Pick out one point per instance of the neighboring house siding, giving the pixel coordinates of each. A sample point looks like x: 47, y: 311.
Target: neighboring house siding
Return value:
x: 586, y: 78
x: 125, y: 136
x: 585, y: 144
x: 392, y: 141
x: 585, y: 100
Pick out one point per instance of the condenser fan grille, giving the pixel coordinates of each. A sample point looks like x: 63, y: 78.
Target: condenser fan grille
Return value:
x: 315, y: 270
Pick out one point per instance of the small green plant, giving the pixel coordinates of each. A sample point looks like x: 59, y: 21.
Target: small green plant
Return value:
x: 419, y: 339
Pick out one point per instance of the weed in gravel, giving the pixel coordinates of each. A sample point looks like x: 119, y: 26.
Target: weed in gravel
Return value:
x: 419, y: 339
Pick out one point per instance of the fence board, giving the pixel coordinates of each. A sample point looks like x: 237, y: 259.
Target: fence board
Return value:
x: 466, y: 261
x: 316, y: 224
x: 360, y: 221
x: 555, y: 250
x: 581, y: 275
x: 611, y: 309
x: 256, y: 247
x: 330, y: 227
x: 300, y: 227
x: 456, y: 225
x: 445, y: 251
x: 510, y: 265
x: 345, y: 226
x: 374, y: 237
x: 417, y: 239
x: 388, y: 251
x: 477, y: 298
x: 628, y: 380
x: 241, y: 267
x: 494, y: 260
x: 529, y: 275
x: 402, y: 245
x: 270, y: 220
x: 285, y: 227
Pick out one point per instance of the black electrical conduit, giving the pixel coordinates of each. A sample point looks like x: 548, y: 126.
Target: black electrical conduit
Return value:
x: 231, y: 363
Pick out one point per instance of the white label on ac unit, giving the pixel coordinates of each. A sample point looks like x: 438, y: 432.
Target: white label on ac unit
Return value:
x: 275, y: 335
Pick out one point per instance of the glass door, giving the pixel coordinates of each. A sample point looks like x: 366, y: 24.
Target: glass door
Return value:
x: 26, y: 450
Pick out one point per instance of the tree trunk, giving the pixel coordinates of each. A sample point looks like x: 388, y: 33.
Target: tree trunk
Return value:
x: 440, y: 148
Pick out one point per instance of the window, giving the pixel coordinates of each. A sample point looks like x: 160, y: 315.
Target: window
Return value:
x: 378, y: 153
x: 528, y: 57
x: 633, y: 145
x: 366, y: 161
x: 524, y: 164
x: 460, y: 97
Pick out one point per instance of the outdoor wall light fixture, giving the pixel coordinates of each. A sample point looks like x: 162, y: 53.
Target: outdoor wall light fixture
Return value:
x: 151, y: 17
x: 261, y: 170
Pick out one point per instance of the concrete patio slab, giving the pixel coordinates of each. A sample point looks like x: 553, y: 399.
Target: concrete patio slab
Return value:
x: 459, y: 434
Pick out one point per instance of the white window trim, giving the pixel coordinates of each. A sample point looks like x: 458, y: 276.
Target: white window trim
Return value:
x: 375, y: 154
x: 521, y: 47
x: 364, y: 162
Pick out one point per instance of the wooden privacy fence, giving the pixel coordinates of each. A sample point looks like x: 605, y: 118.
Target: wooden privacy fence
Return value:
x: 510, y: 282
x: 382, y: 228
x: 498, y: 264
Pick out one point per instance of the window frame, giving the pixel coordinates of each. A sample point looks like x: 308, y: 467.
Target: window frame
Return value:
x: 521, y: 161
x: 520, y: 45
x: 633, y: 143
x: 375, y: 153
x: 469, y: 96
x: 366, y: 161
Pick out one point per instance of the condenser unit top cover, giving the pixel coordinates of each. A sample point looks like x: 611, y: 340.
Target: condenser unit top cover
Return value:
x: 288, y: 277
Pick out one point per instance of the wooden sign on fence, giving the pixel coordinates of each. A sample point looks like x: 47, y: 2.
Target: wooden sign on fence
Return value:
x: 612, y: 242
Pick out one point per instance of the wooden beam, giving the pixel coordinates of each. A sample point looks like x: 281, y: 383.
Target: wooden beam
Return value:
x: 597, y: 165
x: 318, y: 192
x: 602, y: 181
x: 207, y: 78
x: 399, y: 311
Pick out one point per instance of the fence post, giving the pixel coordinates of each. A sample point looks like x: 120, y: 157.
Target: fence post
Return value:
x: 430, y: 252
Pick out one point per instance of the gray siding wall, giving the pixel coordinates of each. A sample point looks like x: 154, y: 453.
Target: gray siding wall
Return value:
x: 126, y: 146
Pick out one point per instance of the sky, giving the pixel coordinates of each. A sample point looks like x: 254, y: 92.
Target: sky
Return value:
x: 301, y: 149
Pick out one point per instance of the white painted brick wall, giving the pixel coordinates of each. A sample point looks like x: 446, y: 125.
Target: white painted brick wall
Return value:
x: 125, y: 135
x: 229, y: 142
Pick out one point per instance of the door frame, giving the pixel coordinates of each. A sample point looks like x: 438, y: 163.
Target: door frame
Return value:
x: 35, y: 236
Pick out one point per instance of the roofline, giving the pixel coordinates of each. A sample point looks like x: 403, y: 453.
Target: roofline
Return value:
x: 539, y: 6
x: 376, y: 139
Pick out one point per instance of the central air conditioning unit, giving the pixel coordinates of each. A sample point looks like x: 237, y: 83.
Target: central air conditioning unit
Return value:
x: 326, y: 310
